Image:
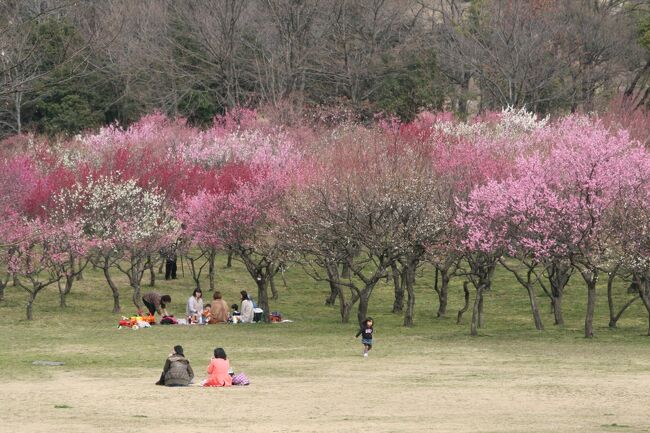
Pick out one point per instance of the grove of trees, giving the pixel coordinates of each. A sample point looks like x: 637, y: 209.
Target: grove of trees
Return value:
x: 352, y: 204
x: 70, y: 65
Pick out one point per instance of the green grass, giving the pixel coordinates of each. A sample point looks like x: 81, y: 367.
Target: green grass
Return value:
x: 85, y: 336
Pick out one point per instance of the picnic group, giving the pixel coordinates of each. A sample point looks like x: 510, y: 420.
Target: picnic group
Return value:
x: 199, y: 312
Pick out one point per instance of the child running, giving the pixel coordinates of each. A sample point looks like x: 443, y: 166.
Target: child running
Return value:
x: 366, y: 335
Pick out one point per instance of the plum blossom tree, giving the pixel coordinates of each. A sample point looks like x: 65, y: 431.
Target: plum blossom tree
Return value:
x: 255, y: 170
x: 371, y: 207
x: 127, y: 224
x: 39, y: 253
x: 556, y: 209
x: 630, y: 223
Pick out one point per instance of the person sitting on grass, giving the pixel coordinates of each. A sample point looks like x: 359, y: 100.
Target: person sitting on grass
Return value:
x: 155, y: 302
x: 219, y: 311
x: 234, y: 313
x: 177, y: 370
x: 194, y: 307
x: 207, y: 313
x: 246, y: 308
x: 218, y: 370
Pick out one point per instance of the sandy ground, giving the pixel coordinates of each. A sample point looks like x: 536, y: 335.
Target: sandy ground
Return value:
x: 457, y: 393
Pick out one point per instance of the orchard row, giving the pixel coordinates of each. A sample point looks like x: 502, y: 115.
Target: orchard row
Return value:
x: 353, y: 204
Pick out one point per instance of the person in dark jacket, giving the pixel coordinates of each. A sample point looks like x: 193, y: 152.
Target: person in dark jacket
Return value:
x: 156, y: 303
x: 366, y: 331
x: 177, y: 370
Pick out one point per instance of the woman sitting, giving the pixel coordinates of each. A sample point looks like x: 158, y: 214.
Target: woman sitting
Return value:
x: 218, y: 370
x: 218, y: 310
x: 194, y: 308
x: 246, y: 308
x: 177, y: 370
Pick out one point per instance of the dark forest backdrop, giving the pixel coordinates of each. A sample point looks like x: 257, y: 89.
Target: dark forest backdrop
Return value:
x: 66, y: 66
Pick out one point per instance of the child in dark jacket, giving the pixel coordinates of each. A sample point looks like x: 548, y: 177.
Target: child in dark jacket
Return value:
x: 366, y: 331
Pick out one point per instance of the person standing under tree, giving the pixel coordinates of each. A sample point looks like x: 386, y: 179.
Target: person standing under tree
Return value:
x: 169, y: 254
x: 366, y: 331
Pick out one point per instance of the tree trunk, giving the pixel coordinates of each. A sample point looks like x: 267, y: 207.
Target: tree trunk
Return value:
x: 556, y: 304
x: 345, y: 272
x: 533, y: 306
x: 346, y: 309
x: 62, y: 303
x: 135, y: 275
x: 466, y: 305
x: 152, y: 276
x: 610, y: 299
x: 443, y: 293
x: 263, y: 297
x: 591, y: 307
x: 18, y: 98
x: 229, y: 262
x: 362, y: 313
x: 112, y: 286
x: 80, y: 275
x: 334, y: 293
x: 30, y: 303
x: 398, y: 281
x: 63, y: 292
x: 559, y: 274
x: 196, y: 277
x: 481, y: 315
x: 476, y: 311
x: 212, y: 257
x: 274, y: 289
x: 3, y: 284
x: 137, y: 298
x: 270, y: 271
x: 409, y: 280
x: 642, y: 287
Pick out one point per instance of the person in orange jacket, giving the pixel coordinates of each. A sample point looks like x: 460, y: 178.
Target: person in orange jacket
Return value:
x: 219, y: 370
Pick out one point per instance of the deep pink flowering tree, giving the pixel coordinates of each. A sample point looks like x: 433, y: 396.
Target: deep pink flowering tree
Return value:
x: 255, y: 171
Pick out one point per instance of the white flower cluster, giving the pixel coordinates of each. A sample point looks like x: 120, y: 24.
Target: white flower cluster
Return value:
x: 515, y: 122
x: 511, y: 123
x: 118, y: 211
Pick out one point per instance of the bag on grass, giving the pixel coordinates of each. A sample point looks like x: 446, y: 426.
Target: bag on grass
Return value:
x: 168, y: 320
x: 240, y: 379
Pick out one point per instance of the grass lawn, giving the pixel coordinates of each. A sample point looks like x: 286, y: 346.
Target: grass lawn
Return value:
x: 309, y: 375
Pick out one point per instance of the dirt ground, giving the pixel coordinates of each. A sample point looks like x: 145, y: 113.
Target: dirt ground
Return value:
x: 461, y: 392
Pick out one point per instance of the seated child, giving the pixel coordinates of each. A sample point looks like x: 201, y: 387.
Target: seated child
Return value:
x: 234, y: 313
x: 207, y: 313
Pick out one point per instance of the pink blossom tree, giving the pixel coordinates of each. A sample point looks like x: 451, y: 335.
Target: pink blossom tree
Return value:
x: 243, y: 209
x: 38, y: 252
x: 556, y: 209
